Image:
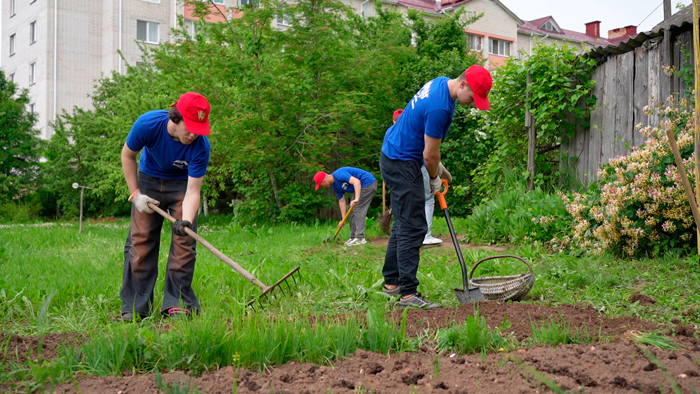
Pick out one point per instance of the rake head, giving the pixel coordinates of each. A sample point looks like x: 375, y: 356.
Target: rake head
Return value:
x: 276, y: 285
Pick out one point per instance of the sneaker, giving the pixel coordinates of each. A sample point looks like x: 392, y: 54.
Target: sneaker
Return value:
x: 356, y: 241
x: 176, y: 313
x: 392, y: 292
x: 429, y: 241
x: 418, y: 301
x: 129, y: 317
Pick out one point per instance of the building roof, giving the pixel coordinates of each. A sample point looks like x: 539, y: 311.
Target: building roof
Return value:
x: 430, y: 6
x: 534, y: 26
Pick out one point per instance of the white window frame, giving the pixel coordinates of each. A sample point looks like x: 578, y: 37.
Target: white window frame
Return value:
x: 551, y: 26
x: 479, y: 45
x: 13, y: 8
x: 32, y: 33
x: 502, y: 47
x: 13, y: 44
x: 152, y: 1
x: 148, y: 31
x: 32, y: 73
x: 220, y: 2
x: 282, y: 19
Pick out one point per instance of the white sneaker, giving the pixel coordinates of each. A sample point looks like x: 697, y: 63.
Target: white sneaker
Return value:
x: 432, y: 241
x: 356, y: 241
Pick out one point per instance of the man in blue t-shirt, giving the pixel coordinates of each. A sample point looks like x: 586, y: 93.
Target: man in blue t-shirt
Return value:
x: 174, y: 158
x: 351, y: 180
x: 410, y: 143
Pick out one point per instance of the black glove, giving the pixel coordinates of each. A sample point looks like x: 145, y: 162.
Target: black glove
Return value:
x: 179, y: 227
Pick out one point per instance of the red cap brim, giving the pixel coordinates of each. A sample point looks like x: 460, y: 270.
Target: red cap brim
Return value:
x: 482, y: 102
x: 199, y: 128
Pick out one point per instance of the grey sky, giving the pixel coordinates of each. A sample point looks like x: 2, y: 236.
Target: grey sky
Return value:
x: 572, y: 15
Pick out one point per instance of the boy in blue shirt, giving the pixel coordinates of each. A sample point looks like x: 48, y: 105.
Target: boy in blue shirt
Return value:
x: 351, y: 180
x: 174, y: 158
x: 410, y: 143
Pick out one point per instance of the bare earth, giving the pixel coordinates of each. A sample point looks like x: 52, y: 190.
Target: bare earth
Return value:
x: 614, y: 366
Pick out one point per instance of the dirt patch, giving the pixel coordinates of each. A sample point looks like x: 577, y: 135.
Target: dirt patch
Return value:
x: 18, y: 349
x: 616, y: 366
x: 643, y: 300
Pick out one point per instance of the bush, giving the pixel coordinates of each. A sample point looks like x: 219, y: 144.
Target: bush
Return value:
x: 519, y: 217
x: 18, y: 212
x: 639, y: 206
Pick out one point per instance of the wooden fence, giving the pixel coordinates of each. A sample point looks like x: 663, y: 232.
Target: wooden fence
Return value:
x: 625, y: 84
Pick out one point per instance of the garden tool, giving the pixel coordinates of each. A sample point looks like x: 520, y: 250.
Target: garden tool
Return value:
x: 345, y: 219
x: 464, y: 295
x: 252, y: 279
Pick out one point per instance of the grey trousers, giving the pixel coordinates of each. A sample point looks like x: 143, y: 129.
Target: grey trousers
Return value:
x: 358, y: 216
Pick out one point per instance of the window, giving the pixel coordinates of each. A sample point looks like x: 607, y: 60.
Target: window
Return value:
x: 13, y: 8
x: 12, y: 44
x: 253, y: 3
x: 152, y: 1
x: 32, y: 107
x: 32, y: 32
x: 282, y: 18
x: 218, y: 1
x: 32, y: 73
x: 12, y: 77
x: 551, y: 26
x: 147, y: 31
x: 475, y: 42
x: 499, y: 47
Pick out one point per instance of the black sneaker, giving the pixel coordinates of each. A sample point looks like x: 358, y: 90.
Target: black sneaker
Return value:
x: 392, y: 292
x: 418, y: 301
x: 129, y: 317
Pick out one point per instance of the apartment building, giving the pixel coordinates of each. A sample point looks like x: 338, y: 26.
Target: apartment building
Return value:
x: 59, y: 48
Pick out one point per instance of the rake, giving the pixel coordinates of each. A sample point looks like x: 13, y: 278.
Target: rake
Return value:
x: 236, y: 267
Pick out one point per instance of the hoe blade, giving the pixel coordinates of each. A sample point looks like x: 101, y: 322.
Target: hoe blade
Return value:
x: 467, y: 296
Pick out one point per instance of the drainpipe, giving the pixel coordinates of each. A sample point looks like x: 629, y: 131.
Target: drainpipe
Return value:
x: 362, y: 6
x: 119, y: 56
x: 55, y: 56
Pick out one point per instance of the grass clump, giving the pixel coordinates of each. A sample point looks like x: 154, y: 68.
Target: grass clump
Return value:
x: 652, y: 339
x: 552, y: 332
x: 475, y: 337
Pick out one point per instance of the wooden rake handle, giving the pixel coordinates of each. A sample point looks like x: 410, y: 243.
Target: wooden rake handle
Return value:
x: 345, y: 219
x: 252, y: 279
x: 684, y: 176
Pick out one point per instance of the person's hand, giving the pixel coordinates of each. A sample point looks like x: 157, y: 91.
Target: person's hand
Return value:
x: 435, y: 185
x: 354, y: 202
x: 141, y: 201
x: 341, y: 224
x: 179, y: 227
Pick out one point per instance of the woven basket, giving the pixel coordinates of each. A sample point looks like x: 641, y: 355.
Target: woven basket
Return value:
x: 503, y: 288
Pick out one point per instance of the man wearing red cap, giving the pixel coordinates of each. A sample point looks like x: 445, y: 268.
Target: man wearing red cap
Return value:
x: 414, y: 141
x: 351, y: 180
x: 174, y: 158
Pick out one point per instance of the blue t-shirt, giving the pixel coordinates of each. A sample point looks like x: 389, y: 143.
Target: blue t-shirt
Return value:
x: 428, y: 113
x: 162, y: 156
x: 342, y: 183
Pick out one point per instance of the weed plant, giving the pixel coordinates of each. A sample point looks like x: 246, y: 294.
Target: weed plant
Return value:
x: 475, y: 337
x: 553, y: 332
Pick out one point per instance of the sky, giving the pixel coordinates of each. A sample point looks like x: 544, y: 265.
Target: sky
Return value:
x: 572, y: 14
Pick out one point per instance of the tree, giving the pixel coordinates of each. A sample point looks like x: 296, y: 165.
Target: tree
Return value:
x: 19, y: 141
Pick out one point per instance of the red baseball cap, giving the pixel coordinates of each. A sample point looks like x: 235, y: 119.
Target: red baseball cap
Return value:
x: 194, y: 109
x: 480, y: 81
x: 318, y: 178
x: 397, y: 113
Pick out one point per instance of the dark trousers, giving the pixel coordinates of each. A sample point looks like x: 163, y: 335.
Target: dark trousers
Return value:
x: 358, y: 216
x: 405, y: 182
x: 142, y: 248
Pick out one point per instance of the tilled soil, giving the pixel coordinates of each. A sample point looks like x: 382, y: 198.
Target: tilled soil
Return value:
x: 613, y: 365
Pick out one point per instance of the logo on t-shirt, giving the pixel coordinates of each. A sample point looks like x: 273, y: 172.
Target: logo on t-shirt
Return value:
x: 344, y: 186
x: 424, y: 92
x: 181, y: 164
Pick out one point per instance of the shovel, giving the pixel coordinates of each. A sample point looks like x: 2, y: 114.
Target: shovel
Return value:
x: 464, y: 295
x: 345, y: 219
x: 252, y: 279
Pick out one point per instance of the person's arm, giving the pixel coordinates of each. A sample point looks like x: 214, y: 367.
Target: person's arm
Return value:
x: 343, y: 209
x: 130, y: 169
x: 190, y: 204
x: 358, y: 190
x: 431, y: 155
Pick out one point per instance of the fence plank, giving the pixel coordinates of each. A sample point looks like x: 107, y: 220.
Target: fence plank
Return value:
x: 595, y: 142
x: 640, y: 95
x: 609, y: 108
x: 623, y: 105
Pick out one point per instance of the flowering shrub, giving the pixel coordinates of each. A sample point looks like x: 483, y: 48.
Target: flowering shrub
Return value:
x: 639, y: 205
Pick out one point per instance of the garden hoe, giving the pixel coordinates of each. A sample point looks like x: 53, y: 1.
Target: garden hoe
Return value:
x: 252, y: 279
x: 464, y: 295
x: 345, y: 219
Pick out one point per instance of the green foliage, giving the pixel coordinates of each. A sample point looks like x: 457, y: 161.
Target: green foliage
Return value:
x: 18, y: 212
x: 560, y: 84
x: 19, y: 141
x: 519, y: 217
x: 285, y: 104
x: 475, y: 337
x: 553, y: 332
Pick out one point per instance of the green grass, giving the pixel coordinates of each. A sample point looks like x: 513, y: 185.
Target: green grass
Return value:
x: 55, y: 280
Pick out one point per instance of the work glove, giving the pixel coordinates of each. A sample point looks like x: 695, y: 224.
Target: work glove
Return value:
x: 444, y: 174
x: 179, y: 227
x: 435, y: 185
x: 141, y: 201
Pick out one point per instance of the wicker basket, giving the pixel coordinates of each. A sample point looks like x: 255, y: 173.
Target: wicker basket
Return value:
x: 503, y: 288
